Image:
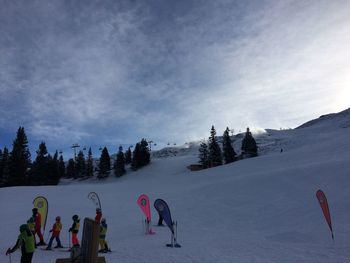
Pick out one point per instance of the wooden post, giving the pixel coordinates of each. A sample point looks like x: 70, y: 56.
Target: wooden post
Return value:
x: 89, y: 246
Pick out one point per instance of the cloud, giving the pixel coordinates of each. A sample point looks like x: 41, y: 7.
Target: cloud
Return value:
x: 119, y: 71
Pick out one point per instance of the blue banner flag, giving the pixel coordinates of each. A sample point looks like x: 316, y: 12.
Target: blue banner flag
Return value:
x: 164, y: 211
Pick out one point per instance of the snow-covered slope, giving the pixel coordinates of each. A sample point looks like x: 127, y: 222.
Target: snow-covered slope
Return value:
x: 262, y: 209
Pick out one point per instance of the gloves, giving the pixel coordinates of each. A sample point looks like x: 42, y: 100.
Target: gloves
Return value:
x: 70, y: 230
x: 8, y: 251
x: 50, y: 230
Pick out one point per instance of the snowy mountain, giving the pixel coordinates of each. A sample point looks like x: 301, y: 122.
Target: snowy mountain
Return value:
x: 261, y: 209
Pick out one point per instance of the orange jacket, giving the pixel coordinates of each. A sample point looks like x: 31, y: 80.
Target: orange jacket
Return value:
x: 56, y: 229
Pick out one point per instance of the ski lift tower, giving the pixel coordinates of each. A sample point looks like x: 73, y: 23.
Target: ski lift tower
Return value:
x: 74, y: 146
x: 150, y: 145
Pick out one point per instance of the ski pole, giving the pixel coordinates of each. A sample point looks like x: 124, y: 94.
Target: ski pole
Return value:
x: 175, y: 231
x: 10, y: 258
x: 69, y: 240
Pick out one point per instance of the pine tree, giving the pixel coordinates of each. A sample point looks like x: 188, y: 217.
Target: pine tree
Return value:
x: 104, y: 165
x: 249, y: 146
x: 215, y: 156
x: 141, y: 155
x: 40, y: 167
x: 128, y: 156
x: 61, y: 167
x: 204, y: 155
x: 70, y: 168
x: 119, y: 164
x: 228, y: 151
x: 136, y: 157
x: 80, y: 167
x: 49, y: 174
x: 89, y: 164
x: 20, y: 159
x: 5, y: 166
x: 55, y: 171
x: 144, y: 153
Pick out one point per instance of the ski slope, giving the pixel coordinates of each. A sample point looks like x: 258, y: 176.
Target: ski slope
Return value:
x: 262, y: 209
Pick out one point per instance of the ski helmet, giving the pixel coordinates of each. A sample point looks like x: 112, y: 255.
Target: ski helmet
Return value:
x: 58, y: 218
x: 75, y: 217
x: 23, y: 227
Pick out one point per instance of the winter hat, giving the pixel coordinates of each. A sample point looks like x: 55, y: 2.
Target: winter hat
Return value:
x: 23, y: 227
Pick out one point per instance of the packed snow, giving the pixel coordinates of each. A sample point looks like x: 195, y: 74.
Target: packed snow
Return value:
x: 262, y: 209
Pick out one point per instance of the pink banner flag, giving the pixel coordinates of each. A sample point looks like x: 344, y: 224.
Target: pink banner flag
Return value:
x: 143, y: 202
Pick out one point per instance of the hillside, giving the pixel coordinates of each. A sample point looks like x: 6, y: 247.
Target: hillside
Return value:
x: 261, y: 209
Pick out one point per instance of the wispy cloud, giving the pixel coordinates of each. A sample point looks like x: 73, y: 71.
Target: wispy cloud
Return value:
x: 103, y: 72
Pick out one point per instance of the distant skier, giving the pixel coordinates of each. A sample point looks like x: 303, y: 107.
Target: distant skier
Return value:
x: 37, y: 220
x: 26, y: 242
x: 75, y: 229
x: 160, y: 220
x: 102, y: 241
x: 98, y: 215
x: 56, y: 229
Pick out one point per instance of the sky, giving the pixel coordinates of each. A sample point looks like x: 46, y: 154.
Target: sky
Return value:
x: 108, y: 73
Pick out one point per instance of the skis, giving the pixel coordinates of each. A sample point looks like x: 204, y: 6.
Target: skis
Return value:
x: 173, y: 245
x: 62, y: 249
x: 105, y: 252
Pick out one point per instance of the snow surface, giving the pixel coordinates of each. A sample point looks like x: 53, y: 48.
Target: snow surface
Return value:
x: 262, y: 209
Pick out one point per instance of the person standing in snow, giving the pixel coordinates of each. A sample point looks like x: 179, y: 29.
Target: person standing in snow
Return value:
x: 37, y: 220
x: 75, y: 229
x: 98, y: 215
x: 102, y: 241
x: 26, y: 242
x: 56, y: 229
x: 160, y: 220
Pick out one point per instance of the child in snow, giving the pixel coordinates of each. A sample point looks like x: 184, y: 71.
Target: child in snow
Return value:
x: 26, y: 242
x: 31, y: 225
x: 56, y: 229
x: 37, y: 220
x: 103, y: 232
x: 75, y: 229
x: 98, y: 215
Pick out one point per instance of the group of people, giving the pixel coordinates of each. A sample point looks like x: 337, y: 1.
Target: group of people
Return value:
x: 26, y: 240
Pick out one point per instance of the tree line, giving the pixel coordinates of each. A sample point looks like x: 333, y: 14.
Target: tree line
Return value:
x: 17, y: 168
x: 211, y: 154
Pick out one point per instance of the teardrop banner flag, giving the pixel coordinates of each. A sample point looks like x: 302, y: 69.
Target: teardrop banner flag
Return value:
x: 95, y: 199
x: 325, y: 209
x: 42, y: 205
x: 163, y: 209
x: 143, y: 202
